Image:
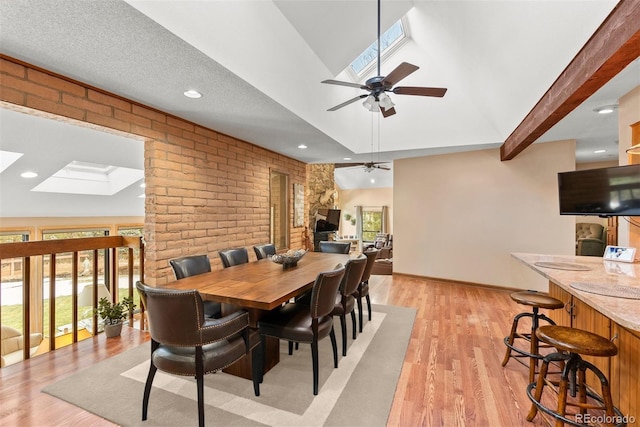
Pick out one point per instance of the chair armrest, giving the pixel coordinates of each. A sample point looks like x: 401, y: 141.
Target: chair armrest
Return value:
x: 384, y: 253
x: 218, y: 329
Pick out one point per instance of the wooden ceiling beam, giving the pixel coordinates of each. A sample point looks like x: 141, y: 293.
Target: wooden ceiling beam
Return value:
x: 614, y: 45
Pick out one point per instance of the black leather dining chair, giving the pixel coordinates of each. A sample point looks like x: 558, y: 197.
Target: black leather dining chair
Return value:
x: 264, y: 251
x: 363, y: 288
x: 307, y: 323
x: 193, y: 265
x: 345, y: 301
x: 231, y: 257
x: 334, y: 247
x: 183, y: 342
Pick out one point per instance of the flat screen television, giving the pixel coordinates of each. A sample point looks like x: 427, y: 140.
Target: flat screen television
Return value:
x: 604, y: 192
x: 327, y: 220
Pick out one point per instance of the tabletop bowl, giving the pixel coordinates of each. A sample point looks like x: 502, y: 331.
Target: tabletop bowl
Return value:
x: 288, y: 259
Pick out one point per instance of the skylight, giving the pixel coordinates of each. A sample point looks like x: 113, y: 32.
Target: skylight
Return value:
x: 389, y: 39
x: 90, y: 178
x: 7, y: 158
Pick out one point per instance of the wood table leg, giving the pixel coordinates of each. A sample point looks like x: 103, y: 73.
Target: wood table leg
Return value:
x: 242, y: 368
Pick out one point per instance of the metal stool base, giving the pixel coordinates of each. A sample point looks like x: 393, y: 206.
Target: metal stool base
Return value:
x: 534, y: 347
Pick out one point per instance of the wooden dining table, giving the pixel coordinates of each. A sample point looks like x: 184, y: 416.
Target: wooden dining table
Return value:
x: 259, y: 287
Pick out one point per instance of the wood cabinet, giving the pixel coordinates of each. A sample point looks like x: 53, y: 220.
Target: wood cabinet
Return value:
x: 625, y: 373
x: 587, y: 318
x: 561, y: 316
x: 623, y: 370
x: 612, y: 231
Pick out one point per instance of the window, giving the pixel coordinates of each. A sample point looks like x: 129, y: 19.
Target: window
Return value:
x: 11, y: 286
x: 123, y: 259
x: 14, y: 236
x: 389, y: 41
x: 64, y: 282
x: 90, y: 178
x: 371, y: 225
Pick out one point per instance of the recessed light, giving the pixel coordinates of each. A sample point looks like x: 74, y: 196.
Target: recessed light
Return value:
x: 605, y: 109
x: 346, y: 158
x: 373, y: 181
x: 599, y: 151
x: 143, y: 185
x: 302, y: 146
x: 28, y: 174
x: 192, y: 94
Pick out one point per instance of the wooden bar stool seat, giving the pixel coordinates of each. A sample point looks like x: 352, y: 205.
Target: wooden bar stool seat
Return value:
x: 571, y: 344
x: 535, y: 300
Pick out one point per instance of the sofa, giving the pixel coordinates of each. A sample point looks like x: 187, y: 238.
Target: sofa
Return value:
x: 383, y: 264
x: 13, y: 343
x: 591, y: 239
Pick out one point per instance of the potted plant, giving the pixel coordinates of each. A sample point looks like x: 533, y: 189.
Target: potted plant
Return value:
x: 114, y: 314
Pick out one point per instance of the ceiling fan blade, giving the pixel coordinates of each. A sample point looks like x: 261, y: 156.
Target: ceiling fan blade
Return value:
x: 388, y: 112
x: 347, y: 165
x: 349, y: 84
x: 420, y: 91
x: 351, y: 101
x: 387, y: 168
x: 400, y: 72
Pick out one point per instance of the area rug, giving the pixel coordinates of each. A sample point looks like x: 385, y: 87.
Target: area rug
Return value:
x: 358, y: 393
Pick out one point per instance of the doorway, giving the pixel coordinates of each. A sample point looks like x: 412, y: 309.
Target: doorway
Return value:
x: 279, y: 203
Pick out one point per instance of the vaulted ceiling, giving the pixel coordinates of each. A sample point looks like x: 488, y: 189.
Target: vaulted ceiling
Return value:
x: 259, y: 65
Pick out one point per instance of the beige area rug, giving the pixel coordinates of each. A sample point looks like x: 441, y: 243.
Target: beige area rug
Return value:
x: 358, y: 393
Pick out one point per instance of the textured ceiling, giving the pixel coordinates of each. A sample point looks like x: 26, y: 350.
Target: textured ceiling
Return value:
x: 259, y: 65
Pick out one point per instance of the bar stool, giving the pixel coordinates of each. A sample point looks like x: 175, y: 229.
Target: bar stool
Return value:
x: 571, y: 343
x: 536, y: 300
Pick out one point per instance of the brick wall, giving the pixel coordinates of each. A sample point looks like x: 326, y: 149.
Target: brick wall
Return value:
x: 205, y: 191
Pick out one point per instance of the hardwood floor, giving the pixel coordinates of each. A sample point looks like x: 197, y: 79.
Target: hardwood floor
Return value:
x: 452, y: 373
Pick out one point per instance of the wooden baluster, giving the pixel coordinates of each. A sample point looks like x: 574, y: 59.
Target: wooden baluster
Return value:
x: 26, y: 298
x: 74, y: 297
x: 52, y: 302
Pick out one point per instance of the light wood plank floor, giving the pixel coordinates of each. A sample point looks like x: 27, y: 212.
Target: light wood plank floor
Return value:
x: 452, y: 373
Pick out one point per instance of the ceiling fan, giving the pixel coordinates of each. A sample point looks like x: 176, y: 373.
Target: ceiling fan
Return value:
x: 368, y: 166
x: 379, y: 85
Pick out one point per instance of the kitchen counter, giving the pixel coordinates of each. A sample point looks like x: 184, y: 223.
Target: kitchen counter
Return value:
x: 624, y: 311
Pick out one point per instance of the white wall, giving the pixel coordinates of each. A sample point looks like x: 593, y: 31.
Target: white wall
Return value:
x: 460, y: 216
x: 628, y: 114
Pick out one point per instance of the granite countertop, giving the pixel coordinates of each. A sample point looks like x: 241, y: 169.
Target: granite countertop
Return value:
x: 583, y: 269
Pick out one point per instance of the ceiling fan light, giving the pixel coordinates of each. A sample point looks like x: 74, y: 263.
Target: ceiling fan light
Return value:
x: 370, y: 103
x: 385, y: 101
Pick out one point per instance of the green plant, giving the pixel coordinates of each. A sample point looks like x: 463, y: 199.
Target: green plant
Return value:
x: 112, y: 314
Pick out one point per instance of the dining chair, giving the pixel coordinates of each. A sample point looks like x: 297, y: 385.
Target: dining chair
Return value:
x: 193, y: 265
x: 345, y: 301
x: 264, y: 251
x: 231, y: 257
x: 363, y: 287
x: 183, y: 342
x: 307, y: 323
x: 334, y: 247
